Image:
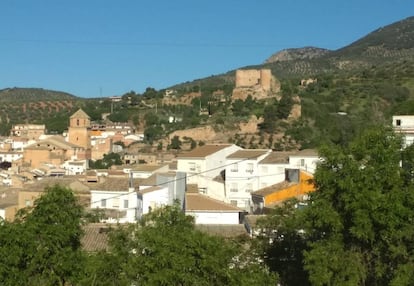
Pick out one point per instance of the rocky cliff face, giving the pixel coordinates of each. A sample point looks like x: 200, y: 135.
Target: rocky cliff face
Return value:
x: 297, y: 54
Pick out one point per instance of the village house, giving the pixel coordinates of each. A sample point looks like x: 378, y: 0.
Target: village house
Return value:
x: 117, y: 197
x: 53, y: 150
x: 206, y: 210
x: 297, y: 184
x: 242, y: 175
x: 404, y: 125
x: 8, y: 203
x: 33, y: 189
x: 203, y: 164
x: 28, y: 131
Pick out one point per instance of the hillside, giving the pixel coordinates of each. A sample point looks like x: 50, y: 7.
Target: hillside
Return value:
x: 367, y: 81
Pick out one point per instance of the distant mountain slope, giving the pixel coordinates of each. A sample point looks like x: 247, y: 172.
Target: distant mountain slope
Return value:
x: 393, y: 43
x: 33, y: 94
x: 397, y: 36
x: 305, y: 53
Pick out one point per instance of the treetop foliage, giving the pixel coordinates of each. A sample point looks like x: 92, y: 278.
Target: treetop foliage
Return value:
x: 357, y: 227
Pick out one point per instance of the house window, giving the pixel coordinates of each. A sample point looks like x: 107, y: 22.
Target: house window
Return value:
x: 398, y: 122
x: 249, y: 168
x: 234, y: 188
x: 125, y: 204
x: 192, y: 166
x: 234, y: 168
x: 302, y: 162
x: 233, y: 202
x: 77, y: 122
x: 115, y: 202
x: 103, y: 203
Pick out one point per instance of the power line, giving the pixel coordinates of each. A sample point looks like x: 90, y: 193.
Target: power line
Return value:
x: 189, y: 176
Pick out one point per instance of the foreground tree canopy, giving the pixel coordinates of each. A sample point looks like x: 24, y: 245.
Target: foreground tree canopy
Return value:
x: 358, y: 226
x: 166, y: 249
x: 43, y: 247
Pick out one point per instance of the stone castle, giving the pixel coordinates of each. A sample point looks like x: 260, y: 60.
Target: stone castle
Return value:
x: 257, y: 83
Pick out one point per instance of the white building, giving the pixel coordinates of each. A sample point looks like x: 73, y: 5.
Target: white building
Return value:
x: 10, y: 156
x: 205, y: 163
x: 118, y: 197
x: 151, y: 198
x: 404, y: 124
x: 206, y: 210
x: 242, y: 176
x: 272, y: 168
x: 75, y: 167
x: 306, y: 160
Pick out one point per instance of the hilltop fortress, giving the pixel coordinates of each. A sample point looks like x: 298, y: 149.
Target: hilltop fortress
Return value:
x: 257, y: 83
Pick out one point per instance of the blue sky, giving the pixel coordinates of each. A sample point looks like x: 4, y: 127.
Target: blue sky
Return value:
x: 93, y: 48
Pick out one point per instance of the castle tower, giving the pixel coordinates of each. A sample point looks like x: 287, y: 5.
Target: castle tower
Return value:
x: 79, y: 126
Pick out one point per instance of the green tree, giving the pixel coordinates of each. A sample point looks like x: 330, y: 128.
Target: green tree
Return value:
x: 175, y: 143
x: 359, y: 221
x: 106, y: 162
x: 357, y: 226
x: 42, y: 247
x: 166, y: 249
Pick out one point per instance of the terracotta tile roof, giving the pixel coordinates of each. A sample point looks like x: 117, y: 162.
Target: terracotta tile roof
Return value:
x: 113, y: 184
x: 204, y: 151
x: 306, y: 152
x: 149, y: 190
x: 57, y: 141
x: 80, y: 114
x: 146, y: 168
x: 40, y: 185
x: 247, y: 154
x: 150, y: 181
x: 192, y: 188
x: 95, y: 237
x: 224, y: 230
x: 199, y: 202
x: 277, y: 158
x: 273, y: 188
x: 8, y: 197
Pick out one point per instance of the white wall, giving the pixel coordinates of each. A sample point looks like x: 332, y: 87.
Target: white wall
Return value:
x: 271, y: 174
x: 215, y: 217
x: 3, y: 213
x: 244, y: 178
x: 403, y: 121
x: 116, y: 198
x: 155, y: 199
x: 306, y: 163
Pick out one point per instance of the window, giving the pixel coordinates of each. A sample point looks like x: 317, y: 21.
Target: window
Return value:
x: 398, y: 122
x: 302, y: 162
x: 234, y: 168
x: 234, y: 188
x: 249, y: 168
x: 233, y: 202
x: 192, y: 166
x: 77, y: 122
x: 115, y: 202
x: 103, y: 203
x: 125, y: 204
